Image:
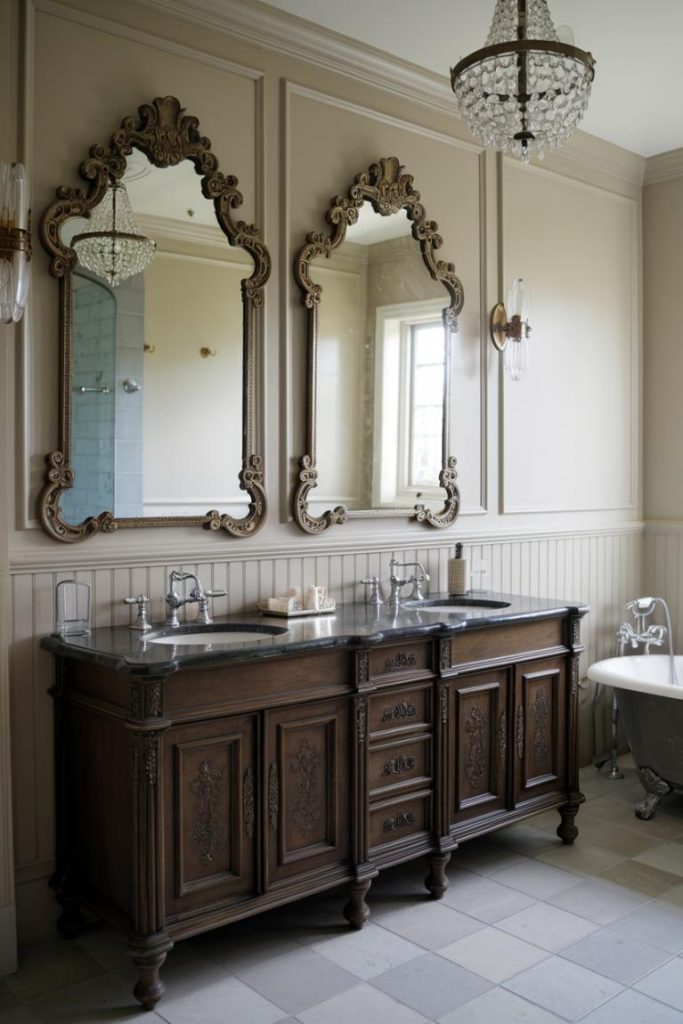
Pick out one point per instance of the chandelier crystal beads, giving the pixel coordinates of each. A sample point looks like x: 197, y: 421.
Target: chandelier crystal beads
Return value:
x: 113, y: 249
x: 525, y: 91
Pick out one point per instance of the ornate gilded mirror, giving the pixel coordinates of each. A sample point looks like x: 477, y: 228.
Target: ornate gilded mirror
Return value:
x: 158, y: 334
x: 382, y: 312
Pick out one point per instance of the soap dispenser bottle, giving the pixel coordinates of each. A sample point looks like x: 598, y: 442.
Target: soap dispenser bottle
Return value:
x: 458, y: 573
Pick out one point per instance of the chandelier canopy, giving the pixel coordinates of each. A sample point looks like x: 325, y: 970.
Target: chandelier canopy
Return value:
x: 114, y: 249
x: 525, y: 91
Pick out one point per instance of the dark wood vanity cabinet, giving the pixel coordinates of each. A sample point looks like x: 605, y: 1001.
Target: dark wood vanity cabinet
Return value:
x: 189, y: 800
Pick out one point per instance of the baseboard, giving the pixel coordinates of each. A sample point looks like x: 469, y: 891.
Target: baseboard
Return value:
x: 8, y: 940
x: 36, y: 910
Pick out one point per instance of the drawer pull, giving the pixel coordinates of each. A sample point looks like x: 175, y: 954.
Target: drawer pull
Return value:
x: 399, y: 765
x: 400, y: 662
x: 399, y: 711
x: 402, y: 820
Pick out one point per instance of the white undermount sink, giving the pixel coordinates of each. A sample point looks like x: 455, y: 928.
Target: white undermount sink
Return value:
x: 449, y: 606
x: 203, y: 636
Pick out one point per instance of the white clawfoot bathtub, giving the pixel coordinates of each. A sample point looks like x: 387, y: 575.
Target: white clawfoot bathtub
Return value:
x: 651, y: 708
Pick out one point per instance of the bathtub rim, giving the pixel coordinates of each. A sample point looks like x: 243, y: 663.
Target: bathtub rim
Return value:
x: 630, y: 672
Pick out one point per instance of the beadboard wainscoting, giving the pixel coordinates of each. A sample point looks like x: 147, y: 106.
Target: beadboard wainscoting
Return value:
x: 662, y: 569
x: 602, y: 568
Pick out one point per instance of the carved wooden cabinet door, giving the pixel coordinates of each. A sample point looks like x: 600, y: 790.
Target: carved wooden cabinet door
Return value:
x: 210, y: 793
x: 540, y: 741
x: 307, y: 789
x: 479, y: 744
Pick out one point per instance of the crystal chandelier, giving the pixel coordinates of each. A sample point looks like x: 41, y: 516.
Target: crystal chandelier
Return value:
x: 525, y: 91
x: 114, y: 249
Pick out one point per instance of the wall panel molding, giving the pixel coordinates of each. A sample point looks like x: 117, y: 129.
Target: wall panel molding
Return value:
x: 25, y: 512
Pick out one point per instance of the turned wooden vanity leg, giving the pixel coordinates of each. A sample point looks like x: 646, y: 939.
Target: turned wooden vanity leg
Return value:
x: 70, y: 922
x: 436, y: 881
x: 149, y: 987
x: 356, y: 910
x: 567, y: 830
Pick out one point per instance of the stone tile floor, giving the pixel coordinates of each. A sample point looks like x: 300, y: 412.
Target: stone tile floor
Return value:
x: 529, y: 932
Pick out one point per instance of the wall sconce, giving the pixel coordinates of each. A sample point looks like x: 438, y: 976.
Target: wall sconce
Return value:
x: 15, y: 242
x: 510, y: 330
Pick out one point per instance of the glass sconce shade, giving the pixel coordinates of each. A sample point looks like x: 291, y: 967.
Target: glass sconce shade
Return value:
x: 15, y: 242
x: 510, y: 330
x: 525, y: 91
x: 113, y: 249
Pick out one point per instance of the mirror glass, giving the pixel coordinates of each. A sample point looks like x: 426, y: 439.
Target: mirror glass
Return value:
x: 156, y: 388
x: 381, y: 359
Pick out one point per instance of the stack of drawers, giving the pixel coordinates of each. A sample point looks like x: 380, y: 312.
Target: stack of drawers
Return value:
x: 400, y: 753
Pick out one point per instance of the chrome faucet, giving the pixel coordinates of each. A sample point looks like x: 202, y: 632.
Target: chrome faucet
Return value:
x: 197, y: 596
x: 397, y: 583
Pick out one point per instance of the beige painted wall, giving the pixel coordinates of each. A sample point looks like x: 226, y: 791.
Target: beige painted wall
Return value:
x: 296, y: 133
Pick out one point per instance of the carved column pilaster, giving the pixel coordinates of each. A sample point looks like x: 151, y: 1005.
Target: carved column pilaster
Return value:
x: 567, y: 830
x: 149, y: 942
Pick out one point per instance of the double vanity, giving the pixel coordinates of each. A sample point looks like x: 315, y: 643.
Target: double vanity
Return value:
x: 206, y: 774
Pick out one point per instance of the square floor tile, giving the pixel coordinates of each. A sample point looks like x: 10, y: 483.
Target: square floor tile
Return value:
x: 299, y: 980
x: 484, y: 899
x: 563, y: 988
x: 369, y: 952
x: 599, y: 901
x: 661, y: 827
x: 536, y: 879
x: 485, y: 857
x: 673, y: 896
x: 360, y: 1005
x: 431, y: 985
x: 24, y: 1016
x: 633, y: 1008
x: 581, y: 858
x: 641, y: 877
x: 239, y: 947
x: 666, y: 857
x: 658, y: 924
x: 215, y: 1003
x: 430, y: 925
x: 665, y: 984
x: 497, y: 1006
x: 493, y: 954
x: 49, y: 966
x: 620, y: 840
x: 527, y: 840
x: 547, y: 927
x: 622, y: 958
x: 101, y: 999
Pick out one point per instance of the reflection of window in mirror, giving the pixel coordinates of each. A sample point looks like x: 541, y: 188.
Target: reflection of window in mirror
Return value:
x: 410, y: 382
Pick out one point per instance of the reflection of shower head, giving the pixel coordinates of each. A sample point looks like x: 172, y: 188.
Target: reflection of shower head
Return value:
x: 642, y: 606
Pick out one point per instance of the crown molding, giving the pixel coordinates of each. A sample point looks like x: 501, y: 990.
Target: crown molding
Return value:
x: 34, y: 552
x: 664, y: 167
x: 258, y: 24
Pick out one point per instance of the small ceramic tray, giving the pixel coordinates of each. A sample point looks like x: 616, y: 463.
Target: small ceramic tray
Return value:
x: 298, y: 614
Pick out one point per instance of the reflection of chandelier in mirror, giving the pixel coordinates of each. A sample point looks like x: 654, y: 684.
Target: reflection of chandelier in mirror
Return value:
x: 114, y: 249
x: 525, y: 91
x: 15, y: 242
x: 510, y: 330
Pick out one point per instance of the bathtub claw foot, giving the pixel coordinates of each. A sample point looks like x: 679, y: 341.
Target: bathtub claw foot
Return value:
x: 656, y: 788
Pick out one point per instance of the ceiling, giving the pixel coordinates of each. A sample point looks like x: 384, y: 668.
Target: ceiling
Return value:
x: 637, y: 101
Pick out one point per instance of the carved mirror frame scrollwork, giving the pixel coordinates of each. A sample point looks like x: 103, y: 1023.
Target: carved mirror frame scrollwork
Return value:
x: 167, y: 136
x: 389, y: 189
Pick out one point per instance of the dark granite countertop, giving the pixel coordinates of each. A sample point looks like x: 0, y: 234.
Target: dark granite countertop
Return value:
x: 352, y: 625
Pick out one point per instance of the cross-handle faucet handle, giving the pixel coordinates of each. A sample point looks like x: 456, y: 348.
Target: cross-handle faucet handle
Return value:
x: 216, y: 593
x: 203, y: 616
x: 376, y: 595
x: 141, y: 623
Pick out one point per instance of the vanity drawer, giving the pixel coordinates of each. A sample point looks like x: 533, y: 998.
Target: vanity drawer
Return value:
x: 504, y: 643
x: 409, y: 708
x: 408, y: 659
x: 400, y: 764
x: 395, y: 820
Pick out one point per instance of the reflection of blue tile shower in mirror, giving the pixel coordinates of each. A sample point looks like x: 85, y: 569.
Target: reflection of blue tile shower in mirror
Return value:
x: 107, y: 423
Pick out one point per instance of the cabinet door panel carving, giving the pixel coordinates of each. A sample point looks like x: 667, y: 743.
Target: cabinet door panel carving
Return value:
x: 210, y: 821
x: 478, y: 743
x: 540, y: 698
x: 307, y: 750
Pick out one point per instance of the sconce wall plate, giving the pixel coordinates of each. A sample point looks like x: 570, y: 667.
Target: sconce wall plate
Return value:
x: 499, y: 321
